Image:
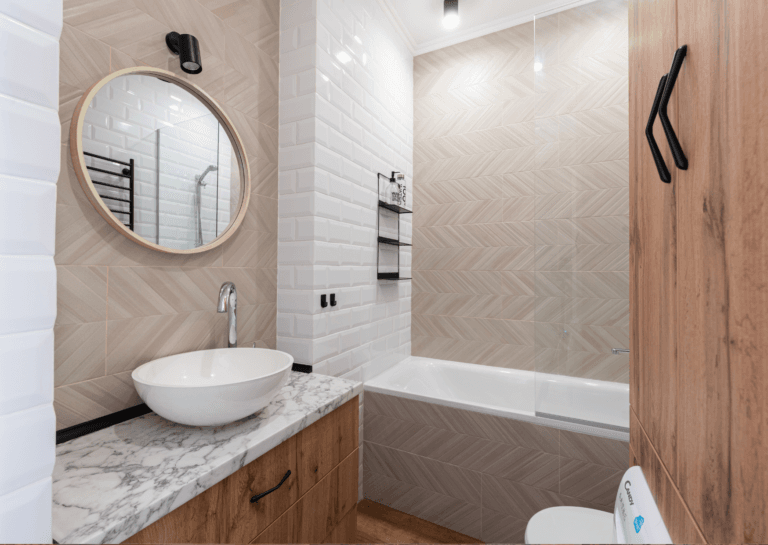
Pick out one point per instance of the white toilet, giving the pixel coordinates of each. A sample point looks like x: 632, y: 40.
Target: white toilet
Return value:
x: 635, y: 519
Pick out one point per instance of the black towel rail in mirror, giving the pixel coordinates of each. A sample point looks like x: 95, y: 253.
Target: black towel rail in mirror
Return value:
x: 126, y: 172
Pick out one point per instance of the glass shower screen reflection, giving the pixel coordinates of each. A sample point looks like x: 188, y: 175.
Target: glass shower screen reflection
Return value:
x: 581, y: 216
x: 195, y: 183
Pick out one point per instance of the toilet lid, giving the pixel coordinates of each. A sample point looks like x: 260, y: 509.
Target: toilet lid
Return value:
x: 570, y: 525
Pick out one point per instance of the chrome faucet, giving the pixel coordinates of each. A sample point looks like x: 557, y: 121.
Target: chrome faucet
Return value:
x: 228, y: 304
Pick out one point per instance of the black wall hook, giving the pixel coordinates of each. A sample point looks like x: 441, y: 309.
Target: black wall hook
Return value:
x: 681, y: 161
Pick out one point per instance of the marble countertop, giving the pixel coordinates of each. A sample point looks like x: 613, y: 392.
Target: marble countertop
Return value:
x: 112, y: 483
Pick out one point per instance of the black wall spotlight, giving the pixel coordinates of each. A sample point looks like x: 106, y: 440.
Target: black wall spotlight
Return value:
x: 188, y: 50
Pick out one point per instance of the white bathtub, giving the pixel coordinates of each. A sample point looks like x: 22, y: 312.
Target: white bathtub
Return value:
x: 588, y: 406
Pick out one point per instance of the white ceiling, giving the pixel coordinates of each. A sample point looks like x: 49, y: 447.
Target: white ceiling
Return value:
x: 420, y: 22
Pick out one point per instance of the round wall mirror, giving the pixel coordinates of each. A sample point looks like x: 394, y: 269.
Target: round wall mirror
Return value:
x: 160, y: 161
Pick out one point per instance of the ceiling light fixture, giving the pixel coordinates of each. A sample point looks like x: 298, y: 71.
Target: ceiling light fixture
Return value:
x: 451, y: 14
x: 188, y: 50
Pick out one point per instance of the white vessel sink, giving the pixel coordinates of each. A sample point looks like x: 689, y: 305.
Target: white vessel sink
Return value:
x: 212, y: 387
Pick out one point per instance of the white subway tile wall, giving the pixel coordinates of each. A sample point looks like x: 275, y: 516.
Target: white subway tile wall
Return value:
x: 140, y: 117
x: 29, y: 168
x: 346, y: 114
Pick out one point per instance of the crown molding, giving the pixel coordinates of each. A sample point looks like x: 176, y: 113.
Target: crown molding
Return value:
x: 488, y: 28
x: 397, y: 23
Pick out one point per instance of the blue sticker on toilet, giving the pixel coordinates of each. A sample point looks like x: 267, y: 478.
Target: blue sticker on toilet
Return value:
x: 638, y: 523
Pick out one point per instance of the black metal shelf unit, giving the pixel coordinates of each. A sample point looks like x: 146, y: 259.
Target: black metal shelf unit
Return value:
x: 128, y: 173
x: 390, y: 241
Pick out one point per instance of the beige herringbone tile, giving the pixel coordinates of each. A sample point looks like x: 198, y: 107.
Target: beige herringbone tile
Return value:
x: 554, y: 206
x: 532, y: 467
x: 484, y: 235
x: 134, y: 341
x: 518, y: 184
x: 445, y: 479
x: 518, y: 111
x: 81, y: 294
x: 449, y: 512
x: 123, y: 27
x: 79, y: 352
x: 240, y: 45
x: 517, y: 282
x: 456, y: 304
x: 517, y: 307
x: 594, y: 122
x: 595, y: 149
x: 601, y: 257
x: 589, y: 96
x: 459, y: 213
x: 600, y: 175
x: 596, y: 450
x: 497, y: 429
x: 600, y: 312
x: 602, y: 202
x: 508, y: 496
x: 506, y: 356
x: 257, y: 20
x: 502, y: 527
x: 591, y: 365
x: 554, y: 231
x: 554, y: 284
x: 590, y: 482
x: 561, y: 254
x: 82, y: 60
x: 601, y: 284
x: 601, y: 230
x: 481, y: 282
x: 597, y: 339
x: 85, y: 401
x: 555, y: 258
x: 551, y: 360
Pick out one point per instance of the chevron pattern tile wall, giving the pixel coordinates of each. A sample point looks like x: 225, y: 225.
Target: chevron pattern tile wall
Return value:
x: 481, y: 475
x: 120, y: 305
x: 521, y: 239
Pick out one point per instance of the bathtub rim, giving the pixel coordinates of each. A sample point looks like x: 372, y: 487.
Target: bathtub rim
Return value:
x: 572, y: 425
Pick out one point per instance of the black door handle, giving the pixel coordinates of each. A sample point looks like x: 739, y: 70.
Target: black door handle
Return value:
x: 674, y: 144
x: 257, y: 497
x: 661, y: 166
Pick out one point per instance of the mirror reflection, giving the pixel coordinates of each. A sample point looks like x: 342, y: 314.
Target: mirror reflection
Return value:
x: 161, y: 162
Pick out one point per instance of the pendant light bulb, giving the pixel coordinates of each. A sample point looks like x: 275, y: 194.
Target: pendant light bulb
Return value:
x: 451, y: 14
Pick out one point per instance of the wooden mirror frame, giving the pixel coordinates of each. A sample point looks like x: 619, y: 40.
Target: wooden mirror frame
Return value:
x: 78, y: 159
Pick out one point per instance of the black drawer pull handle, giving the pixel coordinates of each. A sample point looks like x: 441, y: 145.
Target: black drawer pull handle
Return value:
x: 257, y: 497
x: 661, y: 166
x: 674, y: 144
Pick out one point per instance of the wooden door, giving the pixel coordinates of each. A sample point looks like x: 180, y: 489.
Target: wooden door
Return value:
x: 723, y: 268
x: 652, y: 227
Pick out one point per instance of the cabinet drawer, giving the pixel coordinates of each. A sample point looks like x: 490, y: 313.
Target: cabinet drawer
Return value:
x: 318, y: 513
x: 245, y: 520
x: 323, y: 445
x: 224, y: 513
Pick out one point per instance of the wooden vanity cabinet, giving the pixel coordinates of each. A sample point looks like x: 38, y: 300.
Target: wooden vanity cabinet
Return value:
x: 316, y: 502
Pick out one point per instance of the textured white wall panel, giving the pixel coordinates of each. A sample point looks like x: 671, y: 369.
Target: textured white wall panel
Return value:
x: 30, y: 144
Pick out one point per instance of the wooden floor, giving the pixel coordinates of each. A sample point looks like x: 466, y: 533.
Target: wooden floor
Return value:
x: 378, y: 523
